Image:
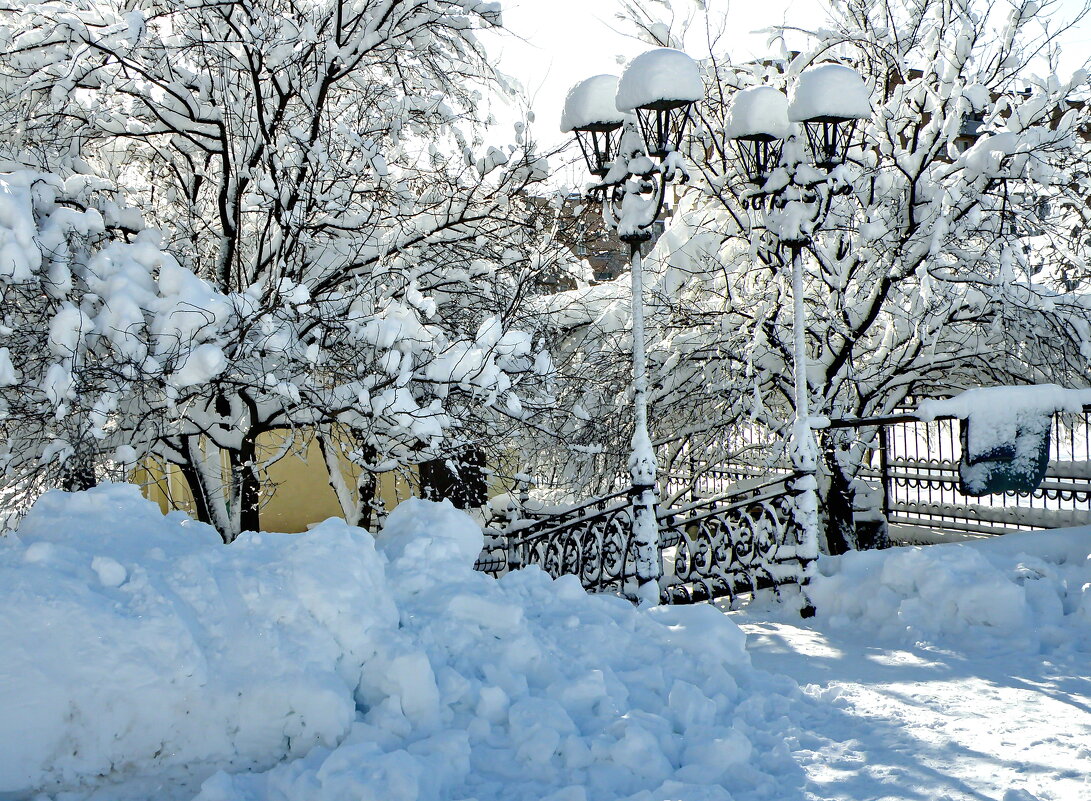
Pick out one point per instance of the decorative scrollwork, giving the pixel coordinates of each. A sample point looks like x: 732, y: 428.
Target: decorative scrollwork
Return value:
x: 717, y: 548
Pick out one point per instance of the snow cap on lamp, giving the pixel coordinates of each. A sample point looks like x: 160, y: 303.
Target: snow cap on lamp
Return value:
x: 591, y: 114
x: 590, y: 106
x: 660, y: 78
x: 760, y: 112
x: 660, y: 86
x: 757, y: 124
x: 829, y: 92
x: 829, y: 99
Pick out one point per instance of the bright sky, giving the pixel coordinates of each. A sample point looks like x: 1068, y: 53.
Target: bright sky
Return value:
x: 565, y: 41
x: 556, y: 43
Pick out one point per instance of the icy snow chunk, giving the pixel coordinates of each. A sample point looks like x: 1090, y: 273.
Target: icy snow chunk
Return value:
x: 487, y: 614
x: 758, y: 111
x: 421, y: 535
x: 109, y: 571
x: 663, y: 75
x: 590, y: 103
x: 39, y: 552
x: 406, y: 682
x: 708, y: 761
x: 703, y: 628
x: 829, y: 90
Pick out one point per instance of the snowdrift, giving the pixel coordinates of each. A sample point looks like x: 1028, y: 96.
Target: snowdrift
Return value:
x: 1027, y: 592
x: 141, y: 659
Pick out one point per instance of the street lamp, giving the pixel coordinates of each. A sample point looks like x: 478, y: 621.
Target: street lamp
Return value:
x: 827, y: 100
x: 591, y: 114
x: 758, y: 125
x: 634, y: 162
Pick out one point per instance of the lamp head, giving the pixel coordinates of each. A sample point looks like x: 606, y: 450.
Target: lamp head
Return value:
x: 590, y: 113
x: 757, y: 125
x: 829, y: 100
x: 660, y: 87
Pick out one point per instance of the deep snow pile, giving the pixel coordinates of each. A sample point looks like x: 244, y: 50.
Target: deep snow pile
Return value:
x: 140, y: 658
x: 1029, y: 591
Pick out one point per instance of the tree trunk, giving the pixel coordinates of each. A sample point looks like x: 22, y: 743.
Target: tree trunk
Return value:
x: 206, y: 486
x: 362, y: 506
x: 840, y: 524
x: 79, y: 471
x: 369, y: 506
x: 460, y: 479
x: 192, y: 478
x: 244, y: 479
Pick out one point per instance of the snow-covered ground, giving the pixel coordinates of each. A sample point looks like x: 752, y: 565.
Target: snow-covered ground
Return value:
x: 951, y: 672
x: 141, y: 659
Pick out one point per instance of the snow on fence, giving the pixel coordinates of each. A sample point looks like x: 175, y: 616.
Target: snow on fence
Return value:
x: 727, y: 525
x: 916, y: 464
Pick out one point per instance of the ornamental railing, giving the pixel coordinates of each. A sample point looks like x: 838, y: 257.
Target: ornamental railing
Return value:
x: 712, y: 548
x: 915, y: 463
x: 913, y: 467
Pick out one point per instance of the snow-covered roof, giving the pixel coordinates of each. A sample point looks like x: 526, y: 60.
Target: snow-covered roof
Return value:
x: 663, y: 75
x: 590, y: 103
x: 829, y: 90
x: 759, y: 111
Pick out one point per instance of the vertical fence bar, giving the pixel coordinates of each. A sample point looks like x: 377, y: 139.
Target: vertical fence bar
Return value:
x: 884, y: 469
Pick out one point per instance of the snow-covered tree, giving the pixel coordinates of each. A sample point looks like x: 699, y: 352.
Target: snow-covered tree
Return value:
x: 949, y: 252
x: 323, y: 168
x: 100, y: 328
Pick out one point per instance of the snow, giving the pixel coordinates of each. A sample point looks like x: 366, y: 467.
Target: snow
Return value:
x: 829, y: 90
x: 986, y: 155
x: 144, y: 659
x: 1028, y: 592
x: 953, y: 671
x: 663, y: 74
x: 9, y: 376
x: 202, y: 364
x: 591, y: 102
x: 134, y: 643
x: 19, y: 258
x: 758, y: 111
x: 1004, y: 420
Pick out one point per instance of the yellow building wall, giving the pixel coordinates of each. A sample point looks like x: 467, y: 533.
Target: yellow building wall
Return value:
x: 297, y: 495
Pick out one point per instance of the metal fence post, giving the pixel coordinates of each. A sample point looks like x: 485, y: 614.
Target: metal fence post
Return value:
x: 884, y: 470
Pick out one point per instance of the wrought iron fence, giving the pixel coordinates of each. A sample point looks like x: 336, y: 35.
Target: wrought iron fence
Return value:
x: 713, y: 548
x: 916, y: 464
x: 718, y: 544
x: 738, y: 542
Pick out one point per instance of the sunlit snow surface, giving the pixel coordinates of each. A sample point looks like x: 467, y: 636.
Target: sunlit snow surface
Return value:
x: 143, y: 660
x: 952, y: 672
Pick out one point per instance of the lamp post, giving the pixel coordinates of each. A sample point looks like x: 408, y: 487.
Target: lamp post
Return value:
x: 629, y: 130
x: 827, y: 100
